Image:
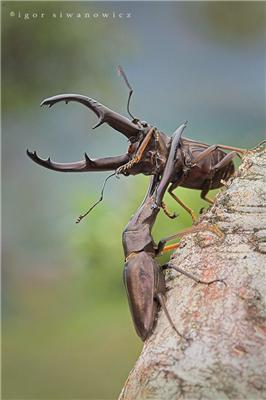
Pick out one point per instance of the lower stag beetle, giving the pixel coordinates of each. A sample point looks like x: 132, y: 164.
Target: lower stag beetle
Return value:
x: 200, y: 166
x: 143, y: 276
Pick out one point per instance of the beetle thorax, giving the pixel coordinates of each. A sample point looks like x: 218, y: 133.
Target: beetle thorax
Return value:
x: 153, y: 158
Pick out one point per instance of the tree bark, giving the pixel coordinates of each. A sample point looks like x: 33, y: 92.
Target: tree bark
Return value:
x: 225, y: 358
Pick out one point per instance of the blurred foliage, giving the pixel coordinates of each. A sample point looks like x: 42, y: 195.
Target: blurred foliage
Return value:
x: 228, y: 23
x: 61, y: 345
x: 76, y: 336
x: 53, y: 53
x: 234, y: 21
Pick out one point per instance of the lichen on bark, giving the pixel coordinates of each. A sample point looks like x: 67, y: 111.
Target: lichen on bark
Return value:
x: 227, y: 324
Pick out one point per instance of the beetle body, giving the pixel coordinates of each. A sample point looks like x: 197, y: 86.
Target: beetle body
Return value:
x: 143, y: 279
x: 190, y: 176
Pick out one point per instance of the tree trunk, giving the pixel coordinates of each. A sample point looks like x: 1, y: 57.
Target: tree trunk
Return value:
x: 225, y: 358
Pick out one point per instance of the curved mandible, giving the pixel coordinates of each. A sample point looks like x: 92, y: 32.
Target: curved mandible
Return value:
x: 105, y: 114
x: 86, y: 165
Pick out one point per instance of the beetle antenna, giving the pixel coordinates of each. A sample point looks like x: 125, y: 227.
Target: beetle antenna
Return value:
x: 97, y: 202
x: 121, y: 72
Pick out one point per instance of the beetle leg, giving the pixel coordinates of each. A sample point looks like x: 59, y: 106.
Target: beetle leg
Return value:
x: 236, y: 151
x: 188, y: 209
x: 161, y: 248
x: 225, y: 161
x: 221, y: 164
x: 239, y: 151
x: 191, y: 276
x: 161, y: 245
x: 136, y: 159
x: 164, y: 308
x: 167, y: 212
x: 205, y: 191
x: 170, y: 247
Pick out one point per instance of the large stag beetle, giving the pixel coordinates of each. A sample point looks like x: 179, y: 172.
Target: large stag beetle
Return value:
x: 199, y: 166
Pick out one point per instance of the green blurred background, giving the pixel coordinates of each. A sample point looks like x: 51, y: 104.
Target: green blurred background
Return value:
x: 66, y: 326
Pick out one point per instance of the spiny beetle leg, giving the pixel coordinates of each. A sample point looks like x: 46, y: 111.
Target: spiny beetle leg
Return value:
x: 193, y: 277
x: 194, y: 229
x: 160, y: 298
x: 182, y: 204
x: 167, y: 212
x: 170, y: 247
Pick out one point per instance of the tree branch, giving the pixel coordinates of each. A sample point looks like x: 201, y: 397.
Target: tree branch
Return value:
x: 226, y: 357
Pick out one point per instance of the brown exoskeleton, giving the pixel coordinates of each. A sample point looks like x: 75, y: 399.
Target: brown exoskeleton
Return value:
x: 143, y: 276
x: 199, y: 166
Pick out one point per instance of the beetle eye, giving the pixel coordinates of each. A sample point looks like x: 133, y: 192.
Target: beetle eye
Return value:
x: 144, y: 124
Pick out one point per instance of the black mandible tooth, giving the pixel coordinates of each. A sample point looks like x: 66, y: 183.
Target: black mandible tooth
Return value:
x: 87, y: 158
x: 100, y: 122
x: 46, y: 102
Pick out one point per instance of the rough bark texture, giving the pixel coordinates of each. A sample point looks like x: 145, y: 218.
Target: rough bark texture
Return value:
x: 226, y: 357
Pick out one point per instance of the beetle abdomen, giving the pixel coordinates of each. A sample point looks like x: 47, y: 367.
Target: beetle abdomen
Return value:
x: 202, y: 172
x: 140, y: 277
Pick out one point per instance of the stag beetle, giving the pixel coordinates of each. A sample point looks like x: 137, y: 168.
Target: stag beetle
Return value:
x: 199, y: 166
x: 143, y: 276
